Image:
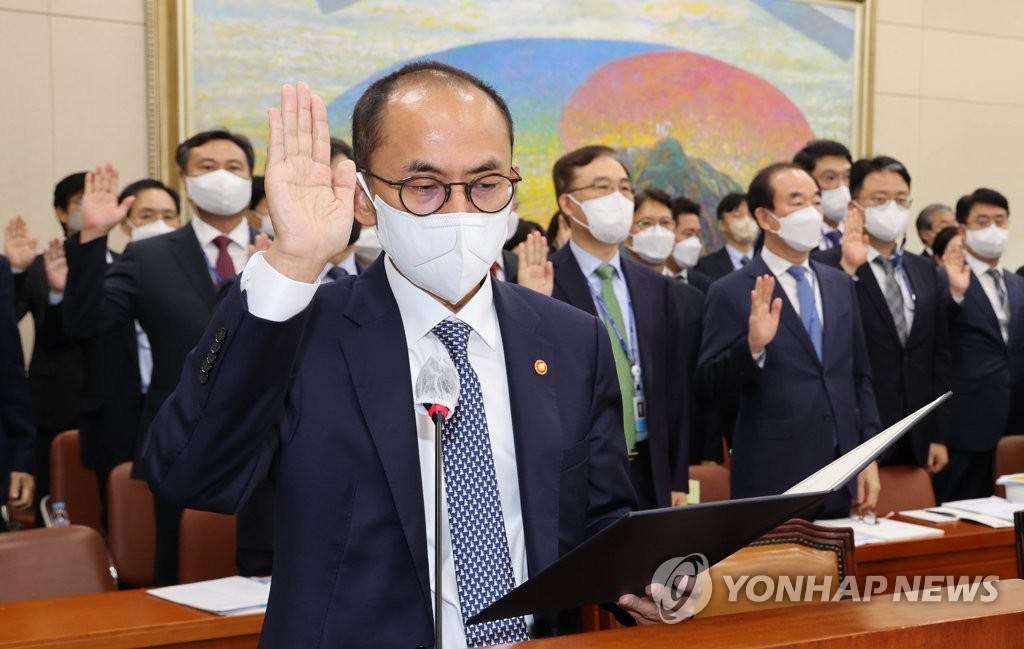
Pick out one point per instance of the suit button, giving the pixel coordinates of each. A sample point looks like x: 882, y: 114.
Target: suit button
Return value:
x: 210, y: 358
x: 206, y: 367
x: 221, y: 334
x: 827, y: 416
x: 203, y: 378
x: 215, y: 347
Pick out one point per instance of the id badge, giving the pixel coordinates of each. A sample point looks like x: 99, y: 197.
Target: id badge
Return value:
x: 640, y: 414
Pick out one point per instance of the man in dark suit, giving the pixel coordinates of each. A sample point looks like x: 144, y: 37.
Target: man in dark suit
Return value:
x: 166, y: 283
x: 932, y: 220
x: 17, y: 432
x: 902, y: 306
x: 783, y: 338
x: 987, y: 333
x: 315, y: 387
x: 55, y: 369
x: 688, y: 246
x: 828, y: 162
x: 741, y: 233
x: 652, y: 322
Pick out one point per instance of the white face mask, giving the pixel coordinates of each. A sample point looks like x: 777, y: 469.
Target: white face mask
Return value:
x: 444, y: 254
x: 609, y: 218
x: 989, y: 242
x: 219, y: 192
x: 886, y: 222
x: 835, y: 202
x: 513, y: 224
x: 801, y: 230
x: 266, y: 225
x: 654, y: 244
x: 687, y: 252
x: 150, y: 230
x: 744, y: 230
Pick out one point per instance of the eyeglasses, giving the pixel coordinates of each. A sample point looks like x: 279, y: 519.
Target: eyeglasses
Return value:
x: 878, y: 201
x: 423, y: 195
x: 603, y: 187
x: 645, y: 224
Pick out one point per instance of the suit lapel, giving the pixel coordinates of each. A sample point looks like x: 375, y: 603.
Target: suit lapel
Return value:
x: 1015, y: 296
x: 193, y: 262
x: 789, y: 317
x: 869, y: 284
x: 977, y: 299
x: 831, y: 290
x: 570, y: 282
x: 385, y: 396
x: 535, y: 422
x: 643, y: 317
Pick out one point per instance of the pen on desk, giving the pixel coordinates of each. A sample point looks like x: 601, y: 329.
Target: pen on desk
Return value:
x: 940, y: 513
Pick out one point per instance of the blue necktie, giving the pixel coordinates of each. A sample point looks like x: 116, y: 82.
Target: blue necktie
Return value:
x: 483, y: 566
x: 834, y: 237
x: 336, y: 272
x: 808, y: 307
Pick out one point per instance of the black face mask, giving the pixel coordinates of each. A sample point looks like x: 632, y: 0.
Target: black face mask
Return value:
x: 356, y: 229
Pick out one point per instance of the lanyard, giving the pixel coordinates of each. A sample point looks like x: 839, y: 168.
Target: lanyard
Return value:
x: 629, y: 349
x: 214, y: 275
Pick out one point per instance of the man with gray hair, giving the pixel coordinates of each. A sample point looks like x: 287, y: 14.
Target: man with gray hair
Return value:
x: 932, y: 220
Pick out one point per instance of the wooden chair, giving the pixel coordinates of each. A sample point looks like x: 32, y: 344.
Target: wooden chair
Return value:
x: 54, y: 562
x: 714, y: 481
x: 206, y: 546
x: 72, y: 483
x: 132, y: 526
x: 903, y: 488
x: 1009, y: 459
x: 796, y: 549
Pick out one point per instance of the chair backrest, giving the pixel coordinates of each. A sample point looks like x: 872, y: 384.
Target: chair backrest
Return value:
x: 53, y: 562
x: 206, y: 546
x: 74, y: 484
x: 903, y: 488
x: 797, y: 550
x: 1009, y: 458
x: 714, y: 481
x: 132, y: 526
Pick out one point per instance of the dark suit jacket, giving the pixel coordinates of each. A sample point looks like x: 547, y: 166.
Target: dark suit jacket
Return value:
x: 55, y: 371
x: 163, y: 282
x: 17, y: 432
x: 988, y: 373
x: 698, y: 280
x: 667, y: 325
x: 907, y: 378
x: 716, y: 264
x: 323, y: 402
x: 511, y: 265
x: 788, y: 410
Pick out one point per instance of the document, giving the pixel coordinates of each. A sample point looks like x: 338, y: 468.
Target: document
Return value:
x: 993, y: 506
x: 227, y: 596
x: 883, y: 530
x: 952, y: 515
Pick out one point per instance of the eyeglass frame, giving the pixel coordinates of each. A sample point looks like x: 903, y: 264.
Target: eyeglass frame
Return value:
x: 613, y: 187
x: 467, y: 189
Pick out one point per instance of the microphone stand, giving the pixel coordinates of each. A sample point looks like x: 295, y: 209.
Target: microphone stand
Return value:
x: 438, y: 417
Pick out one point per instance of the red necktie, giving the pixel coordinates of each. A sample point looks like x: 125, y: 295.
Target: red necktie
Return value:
x: 225, y: 267
x: 494, y: 269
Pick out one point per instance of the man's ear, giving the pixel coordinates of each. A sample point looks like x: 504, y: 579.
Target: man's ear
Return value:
x: 567, y: 207
x: 363, y: 208
x: 765, y: 221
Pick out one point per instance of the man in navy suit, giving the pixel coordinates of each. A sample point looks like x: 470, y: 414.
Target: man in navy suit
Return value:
x: 783, y: 338
x: 653, y: 322
x: 987, y: 331
x: 902, y: 305
x: 741, y: 233
x: 315, y: 387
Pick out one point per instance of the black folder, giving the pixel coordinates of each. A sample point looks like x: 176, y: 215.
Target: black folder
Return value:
x: 623, y: 557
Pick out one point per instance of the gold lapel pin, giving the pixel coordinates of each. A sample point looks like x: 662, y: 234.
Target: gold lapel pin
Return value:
x: 540, y: 367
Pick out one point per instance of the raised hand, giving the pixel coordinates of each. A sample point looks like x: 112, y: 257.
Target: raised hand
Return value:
x: 311, y: 207
x: 535, y: 271
x: 19, y: 246
x: 855, y: 242
x: 100, y: 209
x: 959, y: 273
x: 764, y: 314
x: 56, y: 266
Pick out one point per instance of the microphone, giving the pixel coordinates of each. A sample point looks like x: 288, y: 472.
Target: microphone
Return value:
x: 436, y: 394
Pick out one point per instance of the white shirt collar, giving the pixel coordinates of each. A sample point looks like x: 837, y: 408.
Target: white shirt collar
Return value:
x: 589, y: 264
x: 206, y: 233
x: 421, y: 312
x: 777, y: 264
x: 978, y: 267
x: 736, y: 256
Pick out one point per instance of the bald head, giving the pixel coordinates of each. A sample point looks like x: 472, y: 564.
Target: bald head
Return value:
x: 408, y: 89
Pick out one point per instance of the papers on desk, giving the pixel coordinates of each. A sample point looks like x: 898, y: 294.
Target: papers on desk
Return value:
x: 227, y: 596
x: 992, y: 511
x: 882, y: 531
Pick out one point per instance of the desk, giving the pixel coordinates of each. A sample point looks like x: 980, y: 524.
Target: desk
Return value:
x: 965, y: 550
x: 120, y: 620
x: 846, y: 625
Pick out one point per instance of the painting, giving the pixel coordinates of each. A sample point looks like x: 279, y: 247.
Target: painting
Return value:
x: 695, y: 95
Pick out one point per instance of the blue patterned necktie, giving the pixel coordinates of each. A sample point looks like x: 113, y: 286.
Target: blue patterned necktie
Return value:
x: 483, y: 566
x: 808, y: 307
x: 835, y: 238
x: 336, y: 273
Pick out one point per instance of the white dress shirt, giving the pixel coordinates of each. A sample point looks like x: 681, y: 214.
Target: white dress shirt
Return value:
x: 780, y: 268
x: 901, y: 280
x: 980, y: 270
x: 238, y: 249
x: 348, y: 264
x: 272, y: 296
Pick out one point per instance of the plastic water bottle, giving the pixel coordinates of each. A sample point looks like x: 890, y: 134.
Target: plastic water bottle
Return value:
x: 60, y: 516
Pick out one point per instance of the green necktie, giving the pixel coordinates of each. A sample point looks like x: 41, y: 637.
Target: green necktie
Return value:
x: 622, y: 366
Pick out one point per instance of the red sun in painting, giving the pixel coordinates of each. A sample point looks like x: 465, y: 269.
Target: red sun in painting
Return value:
x: 735, y: 120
